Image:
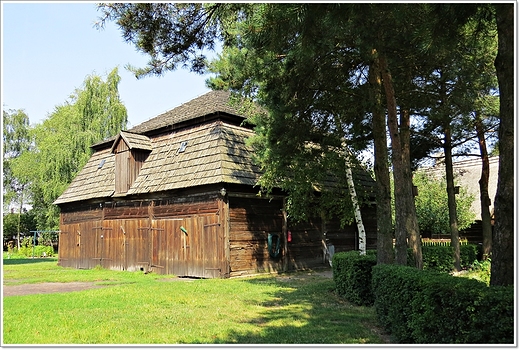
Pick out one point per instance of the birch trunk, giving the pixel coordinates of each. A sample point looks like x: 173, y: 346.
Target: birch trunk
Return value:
x: 357, y: 209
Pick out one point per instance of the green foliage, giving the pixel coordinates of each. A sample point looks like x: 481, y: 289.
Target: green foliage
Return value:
x: 480, y: 270
x: 10, y: 224
x: 16, y: 141
x: 433, y: 308
x: 352, y: 274
x: 432, y: 205
x: 63, y: 140
x: 172, y: 34
x: 439, y: 258
x: 29, y: 250
x: 269, y: 63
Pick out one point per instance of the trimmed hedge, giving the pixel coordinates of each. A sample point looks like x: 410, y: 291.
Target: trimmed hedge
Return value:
x: 440, y: 257
x: 435, y: 308
x: 352, y: 274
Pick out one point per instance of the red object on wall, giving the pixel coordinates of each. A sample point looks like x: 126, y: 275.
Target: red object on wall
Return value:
x: 289, y: 236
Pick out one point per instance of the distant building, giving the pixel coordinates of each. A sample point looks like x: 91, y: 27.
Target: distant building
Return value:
x: 467, y: 174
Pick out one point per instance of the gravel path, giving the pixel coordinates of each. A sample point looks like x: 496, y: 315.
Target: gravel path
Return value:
x: 45, y: 288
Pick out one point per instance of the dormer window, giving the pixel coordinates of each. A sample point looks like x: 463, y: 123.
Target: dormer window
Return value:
x: 131, y: 151
x: 183, y: 146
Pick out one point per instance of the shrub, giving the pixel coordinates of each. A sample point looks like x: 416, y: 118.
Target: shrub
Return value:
x: 440, y: 257
x: 352, y: 274
x: 469, y: 253
x: 434, y: 308
x: 394, y: 287
x: 27, y: 249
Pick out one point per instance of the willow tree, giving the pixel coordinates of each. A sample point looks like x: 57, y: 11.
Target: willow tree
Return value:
x: 62, y: 142
x: 16, y: 141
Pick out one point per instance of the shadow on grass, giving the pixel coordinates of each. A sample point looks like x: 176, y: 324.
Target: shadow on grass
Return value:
x: 28, y: 261
x: 300, y: 313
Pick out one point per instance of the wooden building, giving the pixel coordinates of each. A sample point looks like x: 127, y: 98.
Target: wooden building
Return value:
x: 176, y: 195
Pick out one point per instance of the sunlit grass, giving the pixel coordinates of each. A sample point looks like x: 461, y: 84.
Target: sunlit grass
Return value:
x: 135, y: 308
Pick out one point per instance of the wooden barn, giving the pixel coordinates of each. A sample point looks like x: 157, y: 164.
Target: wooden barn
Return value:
x: 176, y: 195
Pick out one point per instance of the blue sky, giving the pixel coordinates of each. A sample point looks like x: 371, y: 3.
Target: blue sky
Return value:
x: 48, y: 49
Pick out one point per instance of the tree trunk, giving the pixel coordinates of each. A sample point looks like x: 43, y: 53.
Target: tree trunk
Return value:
x: 485, y: 201
x: 452, y: 204
x: 405, y: 216
x: 19, y: 223
x: 385, y: 253
x: 502, y: 260
x: 362, y: 237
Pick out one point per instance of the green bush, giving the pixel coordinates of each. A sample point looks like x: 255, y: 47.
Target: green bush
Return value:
x: 435, y: 308
x: 27, y: 249
x: 352, y: 274
x: 469, y: 253
x: 394, y: 287
x: 440, y: 257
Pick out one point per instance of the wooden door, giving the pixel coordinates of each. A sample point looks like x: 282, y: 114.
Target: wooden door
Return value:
x: 213, y: 254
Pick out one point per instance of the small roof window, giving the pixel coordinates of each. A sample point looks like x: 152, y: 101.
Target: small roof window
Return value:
x: 183, y: 146
x: 101, y: 163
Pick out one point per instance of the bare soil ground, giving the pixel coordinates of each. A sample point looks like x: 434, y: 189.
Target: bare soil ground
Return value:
x: 58, y: 287
x: 46, y: 288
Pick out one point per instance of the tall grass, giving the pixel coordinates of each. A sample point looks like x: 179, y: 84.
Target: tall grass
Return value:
x: 134, y: 308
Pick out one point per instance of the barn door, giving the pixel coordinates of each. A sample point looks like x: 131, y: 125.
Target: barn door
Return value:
x: 158, y: 246
x: 136, y: 243
x: 68, y: 246
x: 103, y: 238
x: 213, y: 256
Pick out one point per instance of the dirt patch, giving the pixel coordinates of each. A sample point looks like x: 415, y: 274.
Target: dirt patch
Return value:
x: 47, y: 288
x: 60, y: 287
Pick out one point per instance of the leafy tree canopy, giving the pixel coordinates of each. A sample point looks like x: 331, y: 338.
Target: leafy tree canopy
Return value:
x: 62, y: 142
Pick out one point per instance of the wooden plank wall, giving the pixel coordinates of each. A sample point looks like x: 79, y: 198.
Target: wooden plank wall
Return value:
x: 128, y: 163
x: 251, y: 220
x: 305, y: 248
x: 219, y: 241
x: 147, y: 236
x: 346, y: 238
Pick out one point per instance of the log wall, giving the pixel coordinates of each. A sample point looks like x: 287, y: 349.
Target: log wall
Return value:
x: 184, y: 239
x: 251, y: 220
x: 199, y: 236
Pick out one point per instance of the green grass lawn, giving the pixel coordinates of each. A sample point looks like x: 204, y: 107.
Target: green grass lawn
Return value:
x: 137, y: 308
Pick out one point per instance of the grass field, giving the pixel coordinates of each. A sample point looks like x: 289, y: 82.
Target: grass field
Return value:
x: 137, y: 308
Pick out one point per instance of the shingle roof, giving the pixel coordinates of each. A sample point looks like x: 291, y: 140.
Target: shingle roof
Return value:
x: 215, y: 152
x: 211, y: 103
x: 133, y: 141
x: 95, y: 180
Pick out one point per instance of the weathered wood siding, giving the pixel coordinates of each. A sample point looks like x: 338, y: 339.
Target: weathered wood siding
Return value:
x: 308, y: 239
x: 199, y: 236
x: 185, y: 239
x: 251, y: 220
x: 128, y: 163
x: 347, y: 238
x: 305, y: 248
